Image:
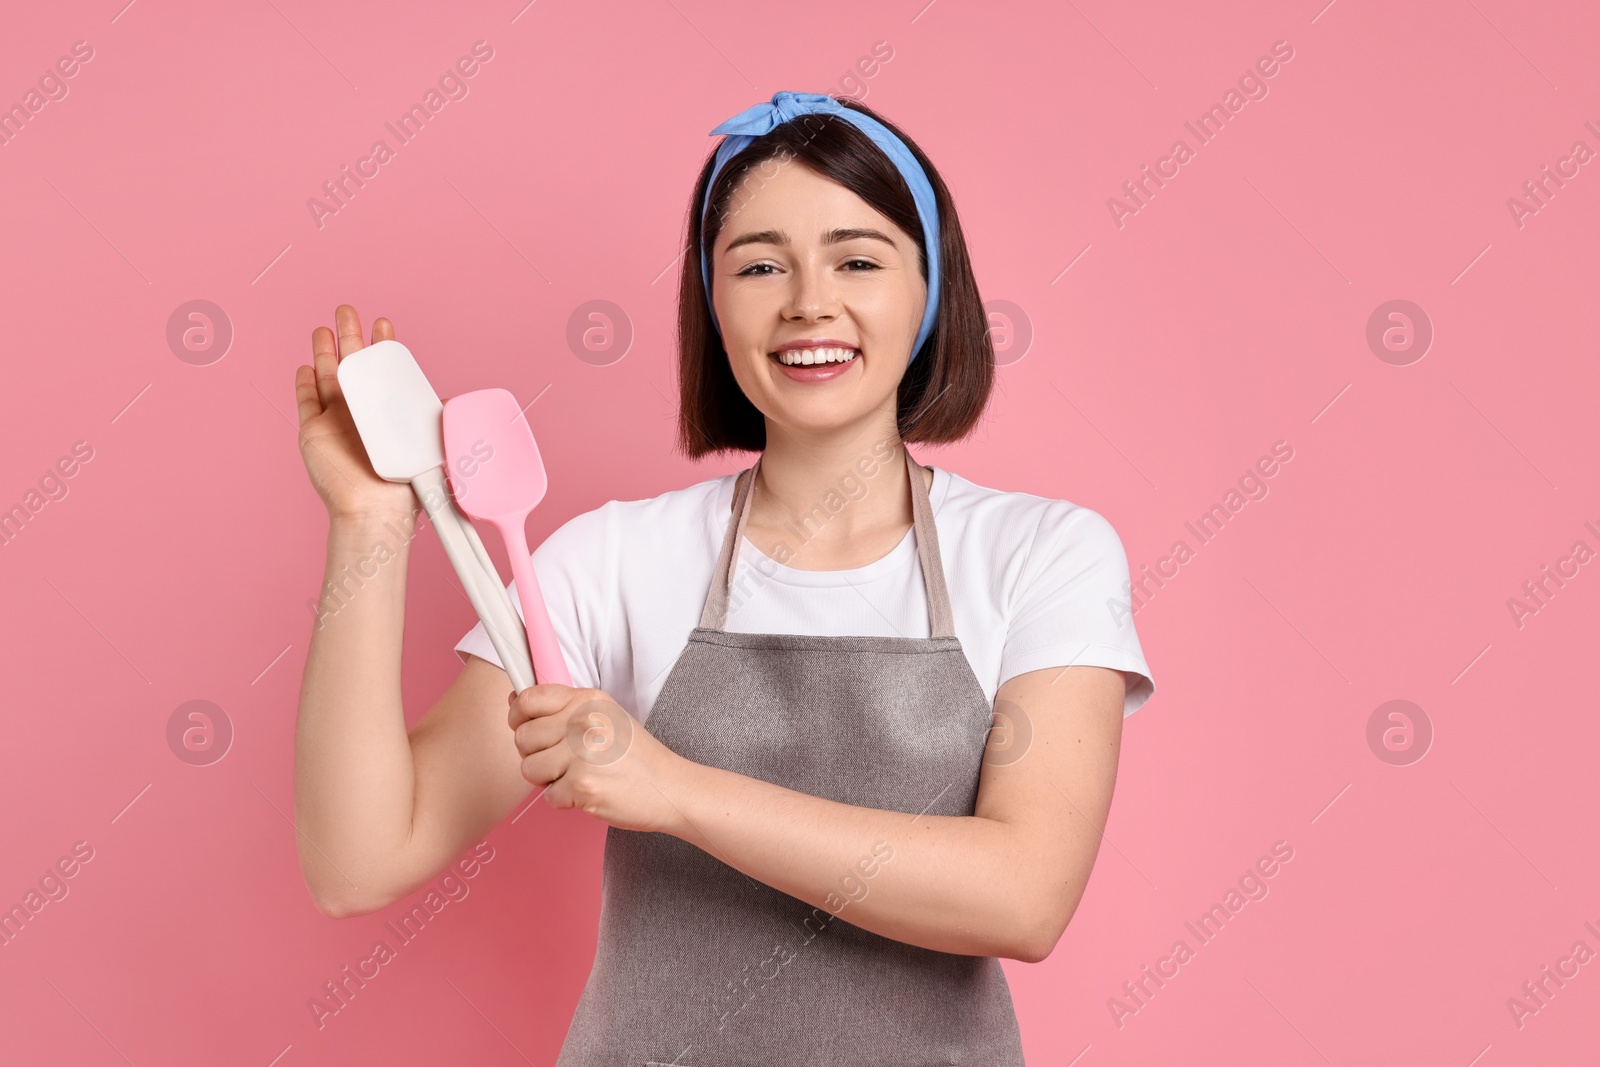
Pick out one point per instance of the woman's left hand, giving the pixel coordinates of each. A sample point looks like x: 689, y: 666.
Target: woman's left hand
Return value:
x: 590, y: 753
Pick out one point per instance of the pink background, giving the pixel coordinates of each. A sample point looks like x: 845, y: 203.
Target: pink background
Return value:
x: 1230, y: 312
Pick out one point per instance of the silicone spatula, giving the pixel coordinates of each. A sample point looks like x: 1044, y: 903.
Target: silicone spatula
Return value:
x: 398, y: 416
x: 502, y: 490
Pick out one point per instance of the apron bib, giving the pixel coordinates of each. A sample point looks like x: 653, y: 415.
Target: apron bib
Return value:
x: 699, y: 965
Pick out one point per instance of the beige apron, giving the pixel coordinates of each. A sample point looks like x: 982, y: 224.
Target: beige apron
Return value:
x: 699, y: 965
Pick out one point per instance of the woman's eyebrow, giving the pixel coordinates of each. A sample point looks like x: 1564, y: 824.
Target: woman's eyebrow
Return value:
x: 829, y: 237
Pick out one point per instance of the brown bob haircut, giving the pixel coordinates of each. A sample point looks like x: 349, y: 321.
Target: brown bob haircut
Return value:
x: 944, y: 390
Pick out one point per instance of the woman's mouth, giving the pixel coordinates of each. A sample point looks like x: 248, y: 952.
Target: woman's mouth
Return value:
x: 815, y: 364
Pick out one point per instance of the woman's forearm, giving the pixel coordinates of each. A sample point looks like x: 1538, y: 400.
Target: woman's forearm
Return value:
x: 354, y: 777
x: 949, y: 883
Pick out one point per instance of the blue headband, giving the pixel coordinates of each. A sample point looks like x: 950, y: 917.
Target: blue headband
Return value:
x: 754, y: 121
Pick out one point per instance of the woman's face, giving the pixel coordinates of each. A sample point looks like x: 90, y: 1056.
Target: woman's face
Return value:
x: 802, y: 258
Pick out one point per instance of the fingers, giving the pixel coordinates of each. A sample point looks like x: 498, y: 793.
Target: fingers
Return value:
x: 348, y: 325
x: 306, y: 400
x: 539, y: 735
x: 329, y: 347
x: 546, y: 698
x: 546, y: 765
x: 325, y: 365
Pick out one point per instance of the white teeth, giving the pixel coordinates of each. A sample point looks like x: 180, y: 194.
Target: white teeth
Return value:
x: 804, y: 356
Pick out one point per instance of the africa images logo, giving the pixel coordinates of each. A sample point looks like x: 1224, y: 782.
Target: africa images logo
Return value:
x: 1204, y: 129
x: 452, y: 85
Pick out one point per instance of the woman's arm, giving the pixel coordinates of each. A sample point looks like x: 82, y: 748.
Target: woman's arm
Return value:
x: 1001, y: 882
x: 379, y: 809
x: 353, y: 768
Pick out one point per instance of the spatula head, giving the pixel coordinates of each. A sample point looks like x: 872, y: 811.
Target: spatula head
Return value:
x: 395, y: 410
x: 493, y: 461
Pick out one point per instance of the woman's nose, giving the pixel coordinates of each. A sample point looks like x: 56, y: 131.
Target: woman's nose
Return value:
x: 812, y: 294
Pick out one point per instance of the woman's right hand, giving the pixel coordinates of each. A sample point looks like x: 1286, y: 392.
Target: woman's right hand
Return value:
x: 331, y: 448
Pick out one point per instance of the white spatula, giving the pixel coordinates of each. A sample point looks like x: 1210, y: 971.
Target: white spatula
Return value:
x: 399, y: 418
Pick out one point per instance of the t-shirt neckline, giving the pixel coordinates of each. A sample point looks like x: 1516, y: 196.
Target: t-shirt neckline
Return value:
x: 891, y: 562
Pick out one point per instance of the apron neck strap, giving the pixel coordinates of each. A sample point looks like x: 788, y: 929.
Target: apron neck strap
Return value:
x: 940, y: 621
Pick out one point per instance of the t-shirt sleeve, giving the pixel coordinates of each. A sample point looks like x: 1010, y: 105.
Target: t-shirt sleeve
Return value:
x: 570, y: 567
x: 1071, y: 606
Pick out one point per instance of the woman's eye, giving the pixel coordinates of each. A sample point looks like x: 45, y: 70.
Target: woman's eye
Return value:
x: 761, y: 270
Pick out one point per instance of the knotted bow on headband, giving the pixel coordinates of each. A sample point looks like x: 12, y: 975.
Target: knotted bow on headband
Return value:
x: 754, y: 121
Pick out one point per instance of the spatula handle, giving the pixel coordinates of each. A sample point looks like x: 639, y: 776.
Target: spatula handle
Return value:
x: 548, y: 664
x: 481, y: 588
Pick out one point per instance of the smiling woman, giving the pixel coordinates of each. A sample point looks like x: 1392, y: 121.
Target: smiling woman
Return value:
x: 836, y: 196
x: 929, y: 675
x: 848, y: 697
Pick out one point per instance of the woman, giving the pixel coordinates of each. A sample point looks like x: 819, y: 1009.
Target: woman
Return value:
x: 785, y: 680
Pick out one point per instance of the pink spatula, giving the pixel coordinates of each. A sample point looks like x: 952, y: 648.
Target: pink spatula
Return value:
x: 498, y: 477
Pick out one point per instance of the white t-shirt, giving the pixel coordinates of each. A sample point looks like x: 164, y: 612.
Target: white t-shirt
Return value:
x: 1032, y: 582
